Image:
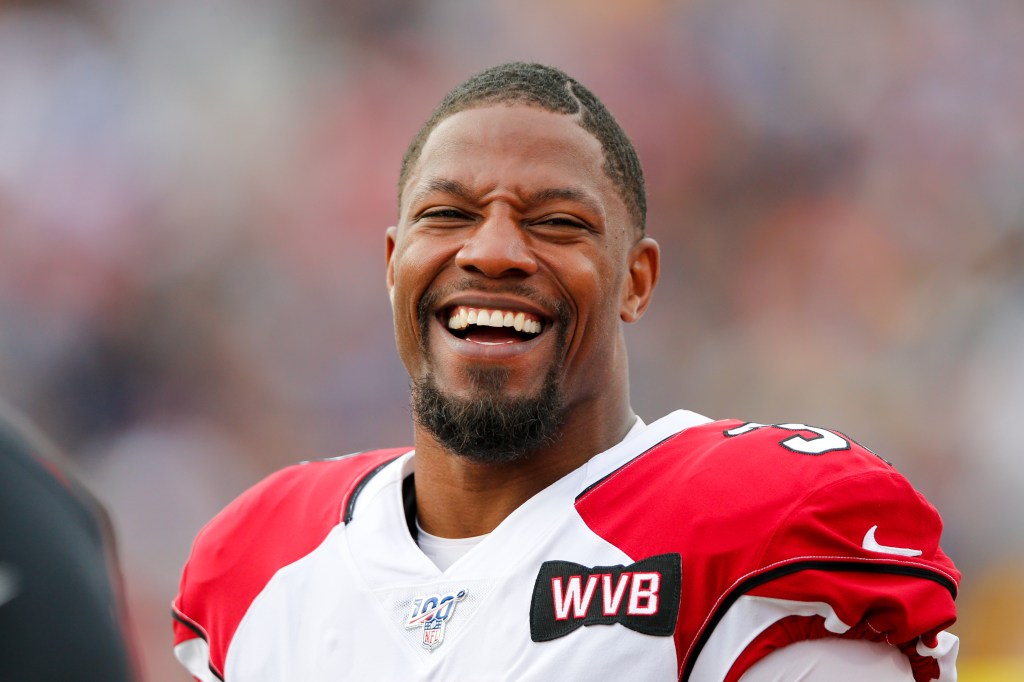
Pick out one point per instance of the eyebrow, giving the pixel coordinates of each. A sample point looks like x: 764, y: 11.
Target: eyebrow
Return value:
x: 461, y: 191
x: 444, y: 186
x: 566, y: 194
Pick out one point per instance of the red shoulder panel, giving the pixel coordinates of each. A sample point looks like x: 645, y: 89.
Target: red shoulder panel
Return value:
x: 741, y: 501
x: 271, y: 525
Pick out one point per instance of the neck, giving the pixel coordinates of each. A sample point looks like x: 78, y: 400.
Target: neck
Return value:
x: 459, y: 497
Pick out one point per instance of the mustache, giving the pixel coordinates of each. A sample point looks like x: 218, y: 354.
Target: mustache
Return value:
x: 428, y: 303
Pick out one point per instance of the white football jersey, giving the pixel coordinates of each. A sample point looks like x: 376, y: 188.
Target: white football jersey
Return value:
x: 690, y: 550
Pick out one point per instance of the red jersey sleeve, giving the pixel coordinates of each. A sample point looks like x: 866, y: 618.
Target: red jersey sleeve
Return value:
x: 858, y: 557
x: 786, y: 533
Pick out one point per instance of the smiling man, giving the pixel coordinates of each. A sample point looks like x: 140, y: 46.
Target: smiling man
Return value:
x: 539, y: 529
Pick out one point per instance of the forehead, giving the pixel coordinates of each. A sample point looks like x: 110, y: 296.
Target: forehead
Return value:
x: 517, y: 148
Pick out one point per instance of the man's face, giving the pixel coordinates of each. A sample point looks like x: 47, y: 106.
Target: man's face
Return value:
x: 509, y: 269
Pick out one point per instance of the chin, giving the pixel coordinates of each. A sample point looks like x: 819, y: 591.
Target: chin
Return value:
x: 488, y: 424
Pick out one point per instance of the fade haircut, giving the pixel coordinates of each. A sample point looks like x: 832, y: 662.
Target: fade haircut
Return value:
x: 553, y: 90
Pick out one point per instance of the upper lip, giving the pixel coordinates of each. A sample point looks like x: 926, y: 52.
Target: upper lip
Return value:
x: 493, y: 302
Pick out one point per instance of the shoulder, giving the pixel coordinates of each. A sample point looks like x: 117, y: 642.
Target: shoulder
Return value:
x: 315, y: 493
x: 806, y: 490
x: 285, y: 515
x: 271, y: 525
x: 762, y: 492
x: 733, y: 452
x: 744, y: 470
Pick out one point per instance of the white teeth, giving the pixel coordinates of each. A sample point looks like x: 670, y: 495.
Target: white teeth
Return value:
x: 462, y: 317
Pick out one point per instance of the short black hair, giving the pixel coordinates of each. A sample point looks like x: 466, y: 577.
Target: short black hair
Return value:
x: 552, y: 90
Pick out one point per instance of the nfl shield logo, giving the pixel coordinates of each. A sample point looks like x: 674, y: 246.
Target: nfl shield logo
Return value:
x: 431, y: 612
x: 433, y: 633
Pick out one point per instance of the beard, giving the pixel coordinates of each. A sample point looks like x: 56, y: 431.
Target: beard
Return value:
x: 491, y: 427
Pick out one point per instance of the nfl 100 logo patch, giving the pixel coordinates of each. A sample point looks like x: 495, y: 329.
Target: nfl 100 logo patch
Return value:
x: 431, y: 612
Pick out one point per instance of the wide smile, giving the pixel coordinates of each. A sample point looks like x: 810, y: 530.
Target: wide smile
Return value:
x: 491, y: 329
x: 492, y: 326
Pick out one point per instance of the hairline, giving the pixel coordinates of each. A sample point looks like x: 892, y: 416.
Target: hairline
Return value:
x: 410, y: 165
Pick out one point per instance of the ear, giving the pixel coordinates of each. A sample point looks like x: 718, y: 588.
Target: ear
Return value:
x: 644, y: 261
x: 391, y: 234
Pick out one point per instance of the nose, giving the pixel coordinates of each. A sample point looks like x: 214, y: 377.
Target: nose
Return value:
x: 497, y: 247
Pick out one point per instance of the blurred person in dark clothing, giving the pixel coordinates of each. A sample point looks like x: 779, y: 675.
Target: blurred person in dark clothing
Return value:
x: 62, y: 615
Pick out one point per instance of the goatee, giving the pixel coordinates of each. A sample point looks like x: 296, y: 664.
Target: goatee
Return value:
x: 489, y: 427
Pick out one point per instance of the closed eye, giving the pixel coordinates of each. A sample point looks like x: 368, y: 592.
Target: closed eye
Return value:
x: 561, y: 223
x: 442, y: 213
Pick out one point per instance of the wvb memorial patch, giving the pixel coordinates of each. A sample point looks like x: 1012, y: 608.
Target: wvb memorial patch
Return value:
x: 643, y: 597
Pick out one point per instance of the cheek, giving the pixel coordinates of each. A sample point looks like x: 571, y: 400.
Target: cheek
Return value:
x: 591, y: 286
x: 415, y: 266
x: 420, y: 257
x: 411, y: 266
x: 408, y: 278
x: 594, y: 284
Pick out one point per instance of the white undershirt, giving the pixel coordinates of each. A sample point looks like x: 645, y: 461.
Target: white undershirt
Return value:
x: 820, y: 660
x: 444, y: 551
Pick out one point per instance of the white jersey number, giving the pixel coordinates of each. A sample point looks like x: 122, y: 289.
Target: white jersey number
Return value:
x: 819, y: 443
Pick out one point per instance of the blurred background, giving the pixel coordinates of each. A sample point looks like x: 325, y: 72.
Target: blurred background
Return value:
x: 193, y: 197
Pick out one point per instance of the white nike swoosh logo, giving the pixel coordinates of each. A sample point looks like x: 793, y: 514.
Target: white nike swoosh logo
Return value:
x: 10, y: 584
x: 872, y: 545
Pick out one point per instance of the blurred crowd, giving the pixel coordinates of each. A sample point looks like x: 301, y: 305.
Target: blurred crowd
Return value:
x: 193, y: 197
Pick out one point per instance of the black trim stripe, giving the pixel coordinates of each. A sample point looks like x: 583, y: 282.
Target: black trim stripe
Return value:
x: 350, y: 507
x: 409, y: 503
x: 202, y: 635
x: 817, y: 565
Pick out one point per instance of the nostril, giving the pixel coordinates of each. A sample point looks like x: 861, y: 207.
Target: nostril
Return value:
x: 497, y: 248
x: 497, y: 263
